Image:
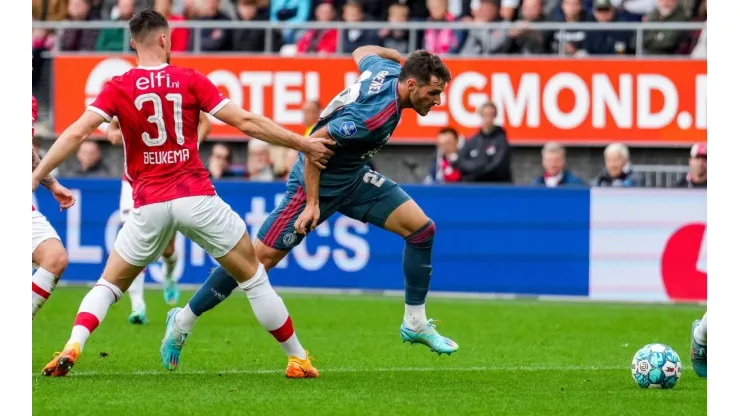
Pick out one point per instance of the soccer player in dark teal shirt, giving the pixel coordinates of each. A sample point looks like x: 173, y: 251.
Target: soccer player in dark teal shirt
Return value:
x: 360, y: 120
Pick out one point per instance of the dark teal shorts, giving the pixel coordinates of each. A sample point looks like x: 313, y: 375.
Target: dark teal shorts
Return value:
x: 372, y: 200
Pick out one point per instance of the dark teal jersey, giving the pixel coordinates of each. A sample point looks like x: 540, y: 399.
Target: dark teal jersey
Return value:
x: 360, y: 119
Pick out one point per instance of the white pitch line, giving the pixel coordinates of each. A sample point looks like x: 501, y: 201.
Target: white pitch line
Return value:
x: 351, y: 370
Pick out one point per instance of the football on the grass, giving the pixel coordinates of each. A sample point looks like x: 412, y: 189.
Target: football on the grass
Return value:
x: 656, y: 366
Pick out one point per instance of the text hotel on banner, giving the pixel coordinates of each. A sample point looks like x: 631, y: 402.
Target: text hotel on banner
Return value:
x: 581, y: 101
x: 648, y: 245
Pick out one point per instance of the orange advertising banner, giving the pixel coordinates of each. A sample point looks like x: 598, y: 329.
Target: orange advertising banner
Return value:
x: 574, y: 101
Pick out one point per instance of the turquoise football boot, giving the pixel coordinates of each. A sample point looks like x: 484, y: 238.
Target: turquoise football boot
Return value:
x: 698, y: 353
x: 429, y: 336
x: 171, y: 291
x: 138, y: 317
x: 172, y: 343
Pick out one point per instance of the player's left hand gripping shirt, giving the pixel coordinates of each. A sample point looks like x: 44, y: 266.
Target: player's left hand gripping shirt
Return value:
x: 158, y: 110
x: 360, y: 119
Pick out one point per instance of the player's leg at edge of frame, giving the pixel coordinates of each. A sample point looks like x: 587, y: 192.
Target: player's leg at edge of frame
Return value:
x: 117, y: 277
x: 50, y: 260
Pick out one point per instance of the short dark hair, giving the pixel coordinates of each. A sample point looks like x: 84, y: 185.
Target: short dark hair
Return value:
x: 354, y: 3
x: 488, y: 104
x: 422, y: 65
x: 145, y: 22
x: 449, y: 130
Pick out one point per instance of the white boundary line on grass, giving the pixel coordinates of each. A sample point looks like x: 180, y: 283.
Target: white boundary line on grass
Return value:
x: 352, y: 370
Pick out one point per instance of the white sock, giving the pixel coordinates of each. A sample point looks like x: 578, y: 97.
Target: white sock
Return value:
x: 43, y: 283
x: 700, y: 332
x: 271, y: 312
x: 93, y: 309
x: 415, y: 317
x: 170, y: 262
x: 136, y: 293
x: 185, y: 319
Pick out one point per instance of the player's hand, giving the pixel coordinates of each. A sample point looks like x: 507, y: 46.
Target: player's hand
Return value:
x: 308, y: 220
x: 63, y: 195
x: 317, y: 151
x: 34, y: 184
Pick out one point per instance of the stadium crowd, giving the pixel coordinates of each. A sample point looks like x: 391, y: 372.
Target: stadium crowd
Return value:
x: 483, y: 157
x: 519, y: 39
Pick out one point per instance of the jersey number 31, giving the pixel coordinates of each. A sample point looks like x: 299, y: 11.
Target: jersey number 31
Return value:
x: 158, y: 120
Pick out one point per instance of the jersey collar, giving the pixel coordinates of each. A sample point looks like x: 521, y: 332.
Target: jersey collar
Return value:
x: 152, y: 68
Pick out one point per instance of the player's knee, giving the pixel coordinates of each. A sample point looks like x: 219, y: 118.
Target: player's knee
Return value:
x: 169, y: 250
x: 267, y: 256
x: 424, y: 235
x: 55, y: 260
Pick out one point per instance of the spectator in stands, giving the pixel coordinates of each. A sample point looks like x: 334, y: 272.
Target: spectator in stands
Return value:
x: 485, y: 41
x: 618, y: 171
x: 417, y: 8
x: 90, y: 160
x: 253, y: 40
x: 212, y: 40
x: 508, y: 10
x: 49, y: 10
x: 440, y: 41
x: 555, y: 174
x: 441, y: 169
x: 608, y: 42
x: 259, y: 165
x: 311, y: 112
x: 375, y: 10
x: 571, y: 41
x: 354, y: 38
x: 697, y: 176
x: 321, y: 41
x: 664, y: 42
x: 79, y: 39
x: 290, y: 156
x: 106, y: 8
x: 112, y: 40
x: 695, y: 42
x: 523, y: 40
x: 634, y: 10
x: 179, y: 37
x: 189, y: 9
x: 397, y: 39
x: 290, y: 11
x: 485, y: 157
x: 219, y: 162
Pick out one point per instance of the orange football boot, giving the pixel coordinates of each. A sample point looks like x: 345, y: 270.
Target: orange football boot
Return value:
x: 63, y: 361
x: 298, y: 368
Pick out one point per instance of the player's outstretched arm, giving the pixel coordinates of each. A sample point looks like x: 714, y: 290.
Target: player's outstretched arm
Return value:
x: 382, y: 52
x: 204, y: 127
x: 66, y: 144
x: 114, y: 134
x: 262, y: 128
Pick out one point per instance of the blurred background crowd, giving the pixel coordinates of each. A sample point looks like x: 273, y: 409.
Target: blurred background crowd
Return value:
x: 519, y: 39
x: 486, y: 156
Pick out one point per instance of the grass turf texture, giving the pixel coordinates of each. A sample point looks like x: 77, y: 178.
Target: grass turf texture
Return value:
x: 515, y: 358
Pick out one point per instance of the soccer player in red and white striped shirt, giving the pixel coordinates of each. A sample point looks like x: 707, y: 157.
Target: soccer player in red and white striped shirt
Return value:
x: 158, y: 106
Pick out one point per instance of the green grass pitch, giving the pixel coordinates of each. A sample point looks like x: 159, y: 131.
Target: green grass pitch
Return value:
x: 515, y: 358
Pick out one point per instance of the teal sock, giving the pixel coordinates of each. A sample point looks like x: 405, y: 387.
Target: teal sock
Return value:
x: 417, y: 263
